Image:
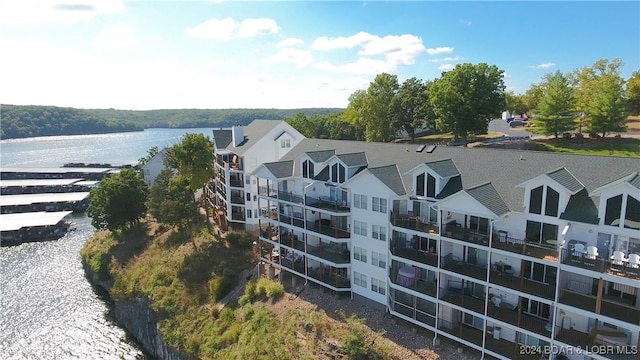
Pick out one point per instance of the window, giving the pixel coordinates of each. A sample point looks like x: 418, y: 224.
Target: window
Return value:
x: 248, y: 196
x: 551, y: 205
x: 255, y: 197
x: 539, y: 233
x: 285, y: 143
x: 360, y: 201
x: 360, y: 254
x: 431, y: 186
x: 535, y: 201
x: 420, y: 185
x: 337, y: 173
x: 379, y: 232
x: 378, y: 259
x: 632, y: 215
x: 360, y: 279
x: 359, y: 227
x: 612, y: 212
x: 248, y: 181
x: 307, y: 169
x: 255, y: 213
x: 248, y: 214
x: 378, y: 286
x: 379, y: 205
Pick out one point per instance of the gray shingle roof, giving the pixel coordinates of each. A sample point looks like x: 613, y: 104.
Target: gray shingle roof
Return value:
x: 390, y: 176
x: 252, y: 133
x: 503, y: 168
x: 487, y: 195
x: 453, y: 186
x: 581, y: 208
x: 353, y: 159
x: 635, y: 181
x: 323, y: 175
x: 563, y: 177
x: 444, y: 168
x: 222, y: 138
x: 321, y: 156
x: 280, y: 169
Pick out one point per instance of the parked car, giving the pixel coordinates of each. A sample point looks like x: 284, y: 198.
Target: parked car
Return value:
x: 517, y: 123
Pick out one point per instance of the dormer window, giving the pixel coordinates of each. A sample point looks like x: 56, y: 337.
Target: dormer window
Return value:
x: 337, y: 173
x: 551, y: 201
x: 613, y: 212
x: 285, y: 143
x: 430, y: 189
x: 307, y: 169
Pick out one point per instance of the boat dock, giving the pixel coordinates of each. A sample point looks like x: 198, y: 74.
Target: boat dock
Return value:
x: 37, y: 186
x: 85, y: 173
x: 74, y: 201
x: 33, y: 226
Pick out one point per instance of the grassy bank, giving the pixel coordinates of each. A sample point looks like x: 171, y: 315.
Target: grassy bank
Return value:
x: 598, y: 146
x: 185, y: 279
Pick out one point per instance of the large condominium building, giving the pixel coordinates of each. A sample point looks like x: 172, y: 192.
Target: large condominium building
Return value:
x: 239, y: 150
x: 510, y: 253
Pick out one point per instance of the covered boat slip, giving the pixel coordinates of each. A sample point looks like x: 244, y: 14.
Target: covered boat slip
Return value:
x: 33, y: 186
x: 43, y: 202
x: 32, y: 226
x: 56, y: 173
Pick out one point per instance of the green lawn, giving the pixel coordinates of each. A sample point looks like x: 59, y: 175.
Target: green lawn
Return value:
x: 606, y: 146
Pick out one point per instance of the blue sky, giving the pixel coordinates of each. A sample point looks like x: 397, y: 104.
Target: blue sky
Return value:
x: 288, y: 54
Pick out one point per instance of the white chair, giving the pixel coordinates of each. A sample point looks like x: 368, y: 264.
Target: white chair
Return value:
x: 592, y: 252
x: 634, y: 261
x: 578, y: 250
x: 618, y: 258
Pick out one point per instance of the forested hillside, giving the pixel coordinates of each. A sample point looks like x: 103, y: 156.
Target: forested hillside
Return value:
x: 26, y: 121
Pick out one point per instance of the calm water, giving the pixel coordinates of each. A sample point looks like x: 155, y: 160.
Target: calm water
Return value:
x: 48, y: 310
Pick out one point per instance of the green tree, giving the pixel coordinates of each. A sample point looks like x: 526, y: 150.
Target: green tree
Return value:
x: 353, y: 113
x: 633, y: 93
x: 607, y: 107
x: 118, y: 201
x: 532, y: 97
x: 585, y: 80
x: 376, y: 110
x: 466, y: 98
x: 150, y: 154
x: 410, y: 107
x: 556, y: 111
x: 193, y: 159
x: 338, y: 128
x: 515, y: 103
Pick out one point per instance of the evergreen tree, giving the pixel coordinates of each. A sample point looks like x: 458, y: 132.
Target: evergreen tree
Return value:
x: 556, y: 111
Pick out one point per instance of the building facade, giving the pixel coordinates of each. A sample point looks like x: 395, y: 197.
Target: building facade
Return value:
x: 238, y: 151
x: 515, y: 254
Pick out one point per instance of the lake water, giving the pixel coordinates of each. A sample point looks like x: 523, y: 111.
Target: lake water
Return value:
x: 48, y: 310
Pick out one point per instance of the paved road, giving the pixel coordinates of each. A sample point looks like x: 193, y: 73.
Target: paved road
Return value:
x: 499, y: 125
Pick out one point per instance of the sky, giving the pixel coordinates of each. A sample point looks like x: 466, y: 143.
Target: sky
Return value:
x: 143, y: 55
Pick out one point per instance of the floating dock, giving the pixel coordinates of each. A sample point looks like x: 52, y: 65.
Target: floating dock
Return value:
x: 43, y: 202
x: 33, y: 226
x: 87, y: 173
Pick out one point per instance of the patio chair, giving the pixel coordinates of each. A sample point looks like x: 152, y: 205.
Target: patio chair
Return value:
x: 634, y: 261
x: 578, y: 250
x: 592, y: 252
x: 618, y: 258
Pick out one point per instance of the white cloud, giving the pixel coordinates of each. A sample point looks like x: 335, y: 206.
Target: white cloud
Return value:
x: 218, y: 62
x: 56, y: 11
x: 225, y: 29
x: 446, y: 67
x: 543, y: 66
x: 115, y: 36
x: 399, y: 49
x: 439, y: 50
x: 290, y: 42
x: 214, y: 29
x: 299, y: 57
x: 325, y: 43
x: 257, y: 27
x: 446, y: 59
x: 363, y: 66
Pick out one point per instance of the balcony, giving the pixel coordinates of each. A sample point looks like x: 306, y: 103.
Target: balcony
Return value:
x: 335, y: 253
x: 326, y: 203
x: 233, y: 182
x: 462, y: 331
x: 414, y: 223
x: 237, y: 199
x: 324, y: 227
x: 451, y: 263
x: 237, y: 216
x: 522, y: 247
x: 424, y: 287
x: 609, y: 306
x: 466, y: 234
x: 287, y: 239
x: 293, y: 262
x: 508, y: 349
x: 603, y: 336
x: 419, y: 255
x: 330, y: 276
x: 522, y: 284
x: 295, y: 221
x: 463, y: 297
x: 514, y: 316
x: 599, y: 264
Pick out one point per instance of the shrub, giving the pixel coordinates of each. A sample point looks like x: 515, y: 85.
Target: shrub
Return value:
x: 220, y: 286
x: 566, y: 135
x: 240, y: 240
x: 269, y: 289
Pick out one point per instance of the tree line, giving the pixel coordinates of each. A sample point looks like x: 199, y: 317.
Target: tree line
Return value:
x: 463, y: 100
x: 26, y: 121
